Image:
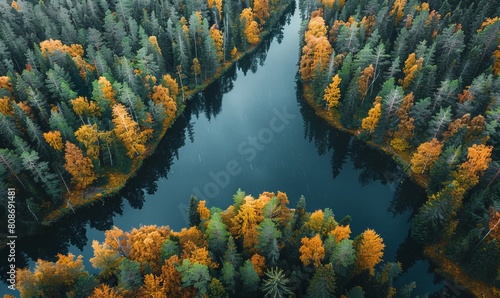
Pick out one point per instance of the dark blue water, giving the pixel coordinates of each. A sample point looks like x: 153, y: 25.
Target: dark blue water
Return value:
x: 252, y: 130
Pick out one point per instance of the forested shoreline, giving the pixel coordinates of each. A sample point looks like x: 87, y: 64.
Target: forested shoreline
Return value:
x: 88, y: 89
x: 257, y: 247
x: 420, y: 80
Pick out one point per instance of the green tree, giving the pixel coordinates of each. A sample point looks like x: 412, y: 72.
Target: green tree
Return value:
x: 196, y: 275
x: 217, y: 235
x: 130, y: 276
x: 249, y: 278
x: 194, y: 215
x: 276, y: 284
x: 267, y: 241
x: 322, y: 283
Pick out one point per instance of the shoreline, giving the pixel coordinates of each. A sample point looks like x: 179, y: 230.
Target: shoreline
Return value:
x: 435, y: 253
x: 80, y: 199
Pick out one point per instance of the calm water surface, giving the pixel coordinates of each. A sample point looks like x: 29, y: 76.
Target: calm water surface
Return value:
x: 252, y: 130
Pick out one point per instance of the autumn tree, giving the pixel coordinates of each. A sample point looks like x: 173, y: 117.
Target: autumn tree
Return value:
x: 364, y: 81
x: 341, y: 232
x: 312, y: 251
x: 398, y: 10
x: 370, y: 249
x: 316, y: 51
x: 84, y: 108
x: 128, y: 131
x: 245, y: 225
x: 251, y: 29
x: 406, y: 124
x: 496, y: 65
x: 218, y: 39
x: 370, y: 122
x: 88, y: 135
x: 410, y: 70
x: 332, y: 93
x: 54, y: 139
x: 79, y: 166
x: 261, y: 10
x: 478, y: 158
x: 146, y: 246
x: 427, y: 153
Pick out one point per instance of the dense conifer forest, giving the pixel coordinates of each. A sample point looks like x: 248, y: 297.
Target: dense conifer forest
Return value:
x: 87, y: 89
x: 420, y: 80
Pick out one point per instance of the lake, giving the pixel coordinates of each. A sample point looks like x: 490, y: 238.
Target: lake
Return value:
x: 252, y: 130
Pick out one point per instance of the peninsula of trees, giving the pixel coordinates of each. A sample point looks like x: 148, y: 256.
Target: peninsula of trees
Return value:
x: 87, y: 89
x: 420, y: 80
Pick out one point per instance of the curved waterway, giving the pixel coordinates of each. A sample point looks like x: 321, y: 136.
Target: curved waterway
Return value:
x: 252, y: 130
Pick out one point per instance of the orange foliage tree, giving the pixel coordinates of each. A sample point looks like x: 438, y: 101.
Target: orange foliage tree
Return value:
x: 478, y: 158
x: 427, y: 153
x: 203, y: 210
x: 245, y: 223
x: 88, y: 135
x: 54, y: 139
x: 341, y: 232
x: 127, y: 130
x: 316, y: 51
x: 369, y: 250
x: 145, y: 245
x: 312, y: 251
x: 259, y: 263
x: 364, y: 80
x: 218, y: 38
x: 261, y: 10
x: 83, y: 107
x: 398, y: 10
x: 405, y: 126
x: 496, y: 65
x: 80, y: 167
x: 410, y: 70
x: 315, y: 222
x: 332, y: 92
x: 370, y: 122
x: 251, y: 30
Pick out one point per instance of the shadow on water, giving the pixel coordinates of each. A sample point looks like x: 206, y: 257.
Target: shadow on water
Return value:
x: 47, y: 242
x: 373, y: 166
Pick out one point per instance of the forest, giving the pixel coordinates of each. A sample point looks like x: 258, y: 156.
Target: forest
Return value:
x: 87, y: 89
x: 257, y: 247
x: 420, y: 81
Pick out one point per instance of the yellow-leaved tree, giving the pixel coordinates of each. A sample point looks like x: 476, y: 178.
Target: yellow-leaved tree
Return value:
x: 341, y: 232
x: 80, y: 167
x: 54, y: 139
x: 370, y: 250
x: 88, y: 135
x: 332, y: 92
x: 411, y: 69
x: 251, y: 30
x: 370, y: 122
x: 427, y: 153
x: 478, y: 158
x: 127, y: 130
x: 312, y: 251
x: 365, y: 80
x: 317, y: 49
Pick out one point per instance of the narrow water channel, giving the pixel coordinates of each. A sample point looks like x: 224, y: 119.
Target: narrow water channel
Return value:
x: 252, y: 130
